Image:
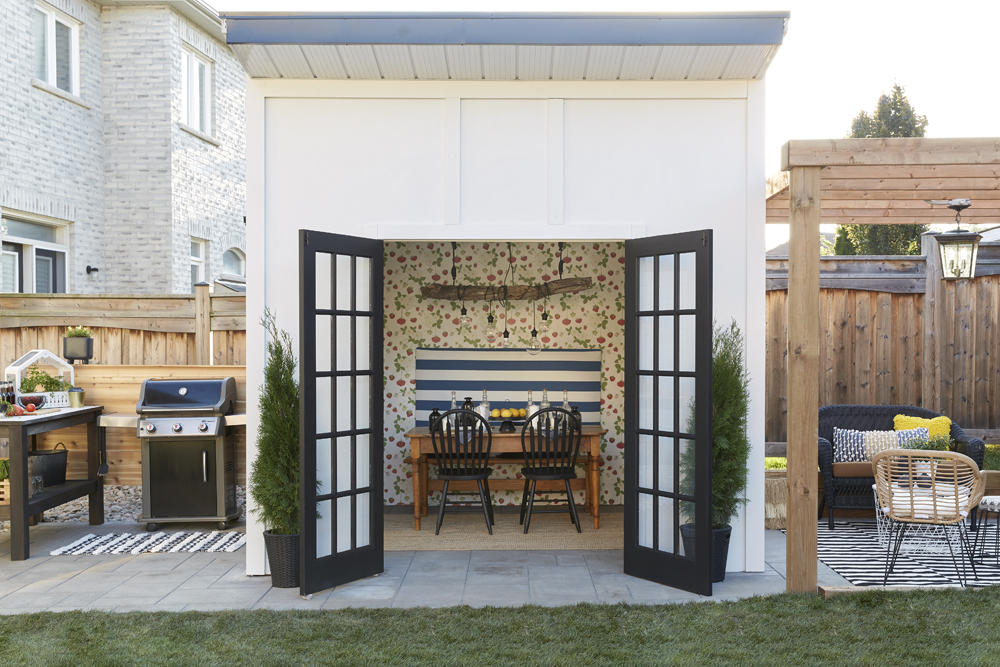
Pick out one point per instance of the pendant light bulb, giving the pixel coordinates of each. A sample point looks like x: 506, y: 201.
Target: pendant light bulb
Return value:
x: 491, y: 330
x: 464, y: 320
x: 506, y: 339
x: 545, y: 325
x: 534, y: 345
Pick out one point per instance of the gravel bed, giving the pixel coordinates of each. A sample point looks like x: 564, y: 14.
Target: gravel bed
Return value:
x: 121, y: 503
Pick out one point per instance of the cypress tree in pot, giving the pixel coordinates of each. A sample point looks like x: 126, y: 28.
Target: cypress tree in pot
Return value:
x: 730, y: 444
x: 274, y: 475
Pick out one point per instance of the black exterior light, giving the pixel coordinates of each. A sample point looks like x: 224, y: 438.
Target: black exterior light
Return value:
x: 959, y: 247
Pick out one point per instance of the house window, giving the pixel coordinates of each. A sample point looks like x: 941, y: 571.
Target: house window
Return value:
x: 33, y: 257
x: 233, y: 262
x: 196, y: 86
x: 199, y: 254
x: 57, y: 49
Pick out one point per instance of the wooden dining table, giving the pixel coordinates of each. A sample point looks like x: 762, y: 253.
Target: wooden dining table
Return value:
x: 422, y: 457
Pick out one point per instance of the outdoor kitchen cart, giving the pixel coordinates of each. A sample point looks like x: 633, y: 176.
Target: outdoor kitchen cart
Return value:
x: 20, y: 431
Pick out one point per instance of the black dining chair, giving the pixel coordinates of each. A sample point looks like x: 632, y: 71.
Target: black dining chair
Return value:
x: 462, y: 451
x: 550, y: 441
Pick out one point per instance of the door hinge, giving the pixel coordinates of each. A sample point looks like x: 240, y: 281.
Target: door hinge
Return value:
x: 307, y: 238
x: 704, y: 238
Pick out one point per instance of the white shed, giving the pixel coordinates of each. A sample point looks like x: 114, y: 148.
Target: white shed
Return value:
x: 595, y: 130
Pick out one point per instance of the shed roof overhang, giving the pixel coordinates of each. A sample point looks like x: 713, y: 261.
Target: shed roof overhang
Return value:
x: 885, y: 181
x: 504, y: 47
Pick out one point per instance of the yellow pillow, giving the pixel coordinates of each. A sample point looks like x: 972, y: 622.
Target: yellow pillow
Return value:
x: 937, y: 426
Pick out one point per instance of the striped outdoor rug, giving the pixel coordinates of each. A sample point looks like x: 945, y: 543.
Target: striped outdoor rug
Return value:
x: 158, y: 542
x: 852, y: 550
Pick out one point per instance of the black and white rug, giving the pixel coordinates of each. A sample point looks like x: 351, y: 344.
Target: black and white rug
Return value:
x: 852, y: 550
x: 158, y: 542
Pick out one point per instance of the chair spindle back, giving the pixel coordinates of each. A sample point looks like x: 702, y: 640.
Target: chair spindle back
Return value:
x: 551, y: 439
x: 464, y: 445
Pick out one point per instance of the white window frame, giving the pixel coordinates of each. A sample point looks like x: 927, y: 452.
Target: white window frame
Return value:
x: 29, y: 246
x: 193, y: 100
x: 243, y: 262
x: 5, y: 289
x: 54, y: 16
x: 200, y: 260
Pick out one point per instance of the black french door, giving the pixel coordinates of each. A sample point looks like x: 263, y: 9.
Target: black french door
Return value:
x: 668, y: 410
x: 340, y: 451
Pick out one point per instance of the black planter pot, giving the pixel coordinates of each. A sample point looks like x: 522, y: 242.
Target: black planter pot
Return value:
x: 283, y: 559
x: 720, y: 548
x: 78, y: 348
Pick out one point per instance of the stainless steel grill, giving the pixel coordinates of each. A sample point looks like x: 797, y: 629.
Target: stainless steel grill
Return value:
x: 188, y: 451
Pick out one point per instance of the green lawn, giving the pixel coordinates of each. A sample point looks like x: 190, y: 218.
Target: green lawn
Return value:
x: 871, y: 628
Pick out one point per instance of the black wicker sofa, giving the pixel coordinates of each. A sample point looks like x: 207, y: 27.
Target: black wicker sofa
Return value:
x: 855, y: 492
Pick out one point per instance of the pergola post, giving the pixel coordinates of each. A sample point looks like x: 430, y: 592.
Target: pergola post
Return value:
x: 803, y: 371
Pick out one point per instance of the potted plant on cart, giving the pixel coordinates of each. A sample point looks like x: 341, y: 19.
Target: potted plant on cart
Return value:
x: 730, y: 444
x: 78, y: 343
x: 274, y: 475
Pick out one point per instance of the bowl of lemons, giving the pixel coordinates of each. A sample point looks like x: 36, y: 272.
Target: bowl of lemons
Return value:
x: 508, y: 415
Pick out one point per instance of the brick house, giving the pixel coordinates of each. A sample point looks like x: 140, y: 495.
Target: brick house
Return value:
x: 123, y: 147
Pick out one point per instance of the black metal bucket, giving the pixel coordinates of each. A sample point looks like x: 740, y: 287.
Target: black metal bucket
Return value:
x: 50, y: 464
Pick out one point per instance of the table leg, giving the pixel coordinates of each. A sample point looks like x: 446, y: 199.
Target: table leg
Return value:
x: 18, y: 494
x: 417, y: 491
x: 426, y: 493
x: 595, y: 481
x: 95, y: 501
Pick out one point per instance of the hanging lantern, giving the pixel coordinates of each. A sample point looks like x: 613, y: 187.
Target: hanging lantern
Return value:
x: 959, y: 247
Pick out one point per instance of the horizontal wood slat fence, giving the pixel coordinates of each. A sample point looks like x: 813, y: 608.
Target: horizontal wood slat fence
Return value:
x: 117, y: 389
x: 180, y: 329
x: 935, y: 345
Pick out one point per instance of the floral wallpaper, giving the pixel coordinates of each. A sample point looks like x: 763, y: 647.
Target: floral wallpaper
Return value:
x: 590, y: 319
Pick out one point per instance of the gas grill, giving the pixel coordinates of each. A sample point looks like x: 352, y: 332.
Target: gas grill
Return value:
x: 188, y: 452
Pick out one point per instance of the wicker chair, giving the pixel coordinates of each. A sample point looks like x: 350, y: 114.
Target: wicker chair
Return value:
x: 917, y: 490
x: 856, y: 492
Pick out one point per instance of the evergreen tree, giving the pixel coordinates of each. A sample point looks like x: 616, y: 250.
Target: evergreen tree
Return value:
x: 842, y: 245
x: 894, y: 116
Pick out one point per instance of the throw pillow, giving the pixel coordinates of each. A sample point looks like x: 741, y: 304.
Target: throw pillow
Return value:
x: 876, y: 441
x: 937, y: 426
x: 911, y: 434
x: 848, y: 445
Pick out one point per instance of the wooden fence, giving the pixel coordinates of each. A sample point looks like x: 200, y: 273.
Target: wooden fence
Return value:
x: 909, y: 339
x: 201, y: 328
x: 117, y: 389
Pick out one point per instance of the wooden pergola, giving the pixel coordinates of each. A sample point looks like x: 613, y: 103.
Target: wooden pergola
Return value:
x: 854, y: 181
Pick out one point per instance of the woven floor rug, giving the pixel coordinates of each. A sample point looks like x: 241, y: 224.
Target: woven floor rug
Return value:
x: 467, y: 532
x: 852, y: 550
x: 158, y: 542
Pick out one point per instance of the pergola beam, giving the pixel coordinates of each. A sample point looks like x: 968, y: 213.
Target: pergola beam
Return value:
x: 911, y: 151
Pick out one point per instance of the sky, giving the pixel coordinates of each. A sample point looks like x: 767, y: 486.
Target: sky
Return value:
x: 836, y: 59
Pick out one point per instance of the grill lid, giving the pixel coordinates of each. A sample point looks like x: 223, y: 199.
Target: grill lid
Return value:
x: 200, y: 396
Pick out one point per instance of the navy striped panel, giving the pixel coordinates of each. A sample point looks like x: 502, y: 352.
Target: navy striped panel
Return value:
x: 507, y: 374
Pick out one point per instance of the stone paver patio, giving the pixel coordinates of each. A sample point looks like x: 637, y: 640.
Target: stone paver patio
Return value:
x: 210, y: 582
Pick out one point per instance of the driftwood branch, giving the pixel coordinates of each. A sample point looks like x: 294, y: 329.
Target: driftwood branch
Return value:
x: 497, y: 292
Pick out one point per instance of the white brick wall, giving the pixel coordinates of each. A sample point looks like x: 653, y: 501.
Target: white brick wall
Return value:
x: 133, y: 184
x: 52, y: 148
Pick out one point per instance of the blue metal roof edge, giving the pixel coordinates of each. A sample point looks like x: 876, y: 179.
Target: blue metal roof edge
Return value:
x: 483, y: 29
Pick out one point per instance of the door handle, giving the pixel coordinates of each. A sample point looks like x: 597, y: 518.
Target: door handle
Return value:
x: 204, y: 467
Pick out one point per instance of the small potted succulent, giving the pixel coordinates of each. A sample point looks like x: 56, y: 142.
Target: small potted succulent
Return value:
x: 78, y: 343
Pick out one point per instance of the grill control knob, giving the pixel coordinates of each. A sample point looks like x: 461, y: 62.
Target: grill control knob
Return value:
x: 150, y: 428
x: 177, y: 428
x: 203, y: 427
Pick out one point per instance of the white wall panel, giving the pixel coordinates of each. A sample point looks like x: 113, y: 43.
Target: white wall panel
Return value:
x: 337, y: 165
x: 504, y: 162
